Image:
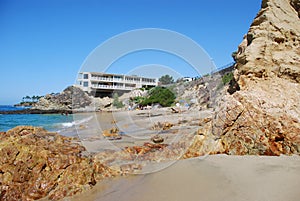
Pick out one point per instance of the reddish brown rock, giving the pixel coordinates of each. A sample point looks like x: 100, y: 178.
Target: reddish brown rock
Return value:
x: 157, y: 139
x: 35, y: 163
x: 245, y: 127
x: 162, y: 126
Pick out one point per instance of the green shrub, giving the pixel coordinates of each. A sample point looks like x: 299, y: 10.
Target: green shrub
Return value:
x: 234, y: 55
x: 116, y: 102
x: 166, y: 79
x: 160, y: 95
x: 138, y: 99
x: 227, y: 78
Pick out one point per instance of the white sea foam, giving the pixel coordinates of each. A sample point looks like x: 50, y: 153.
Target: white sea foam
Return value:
x: 68, y: 124
x: 74, y: 123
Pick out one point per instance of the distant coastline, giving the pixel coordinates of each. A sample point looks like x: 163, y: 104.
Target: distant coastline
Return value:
x: 36, y: 111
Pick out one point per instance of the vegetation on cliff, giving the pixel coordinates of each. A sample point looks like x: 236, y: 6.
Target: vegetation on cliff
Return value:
x: 159, y: 95
x: 166, y: 79
x: 116, y: 102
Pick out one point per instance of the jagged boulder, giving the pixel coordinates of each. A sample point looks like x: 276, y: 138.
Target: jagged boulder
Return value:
x: 101, y: 103
x: 35, y: 163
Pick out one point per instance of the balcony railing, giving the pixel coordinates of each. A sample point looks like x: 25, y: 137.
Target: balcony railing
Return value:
x: 121, y: 80
x: 101, y: 86
x: 153, y: 83
x: 104, y: 79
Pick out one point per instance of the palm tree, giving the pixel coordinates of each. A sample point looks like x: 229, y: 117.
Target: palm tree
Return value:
x: 38, y: 97
x: 28, y: 98
x: 34, y: 98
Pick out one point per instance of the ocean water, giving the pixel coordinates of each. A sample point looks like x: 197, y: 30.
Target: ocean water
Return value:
x: 51, y: 122
x: 10, y: 108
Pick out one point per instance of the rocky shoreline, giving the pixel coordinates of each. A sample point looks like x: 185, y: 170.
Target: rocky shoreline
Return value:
x: 36, y: 163
x: 259, y: 117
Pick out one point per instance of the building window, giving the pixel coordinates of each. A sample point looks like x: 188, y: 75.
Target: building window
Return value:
x: 85, y: 84
x: 85, y: 76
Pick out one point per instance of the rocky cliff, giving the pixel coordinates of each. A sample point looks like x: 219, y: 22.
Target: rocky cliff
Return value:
x: 263, y: 117
x: 271, y: 46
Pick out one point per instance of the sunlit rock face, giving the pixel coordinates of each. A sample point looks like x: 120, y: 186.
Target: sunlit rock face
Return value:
x: 271, y: 47
x: 263, y: 117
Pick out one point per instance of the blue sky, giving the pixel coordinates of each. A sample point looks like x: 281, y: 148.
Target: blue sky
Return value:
x: 43, y: 43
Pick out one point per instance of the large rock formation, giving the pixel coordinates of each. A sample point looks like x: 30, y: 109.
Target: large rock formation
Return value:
x: 264, y: 116
x: 71, y: 98
x: 35, y: 163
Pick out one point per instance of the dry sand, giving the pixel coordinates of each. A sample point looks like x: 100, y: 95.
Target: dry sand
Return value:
x: 215, y: 178
x: 135, y: 127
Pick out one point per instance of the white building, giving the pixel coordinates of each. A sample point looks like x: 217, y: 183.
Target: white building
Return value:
x: 187, y: 79
x: 101, y: 84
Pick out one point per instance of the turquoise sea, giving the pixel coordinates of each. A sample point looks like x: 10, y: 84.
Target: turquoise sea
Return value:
x: 51, y: 122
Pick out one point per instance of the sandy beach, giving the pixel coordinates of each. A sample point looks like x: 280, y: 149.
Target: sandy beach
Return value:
x: 215, y: 178
x: 135, y: 127
x: 181, y: 101
x: 210, y: 178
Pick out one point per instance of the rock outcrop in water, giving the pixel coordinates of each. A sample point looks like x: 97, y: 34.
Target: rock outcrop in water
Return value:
x: 35, y: 163
x: 71, y: 98
x: 264, y: 116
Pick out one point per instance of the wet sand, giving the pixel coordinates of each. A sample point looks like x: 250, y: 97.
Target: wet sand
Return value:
x: 215, y: 178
